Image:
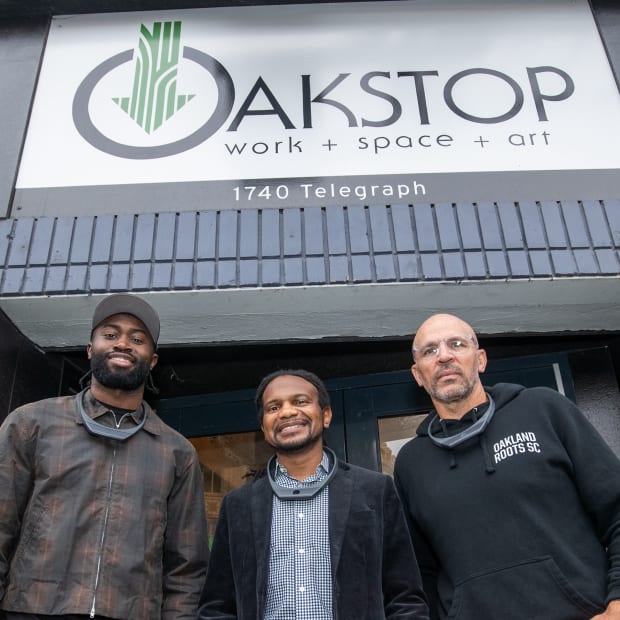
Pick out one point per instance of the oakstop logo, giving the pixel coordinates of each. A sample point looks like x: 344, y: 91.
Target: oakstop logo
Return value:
x: 360, y: 98
x: 153, y: 98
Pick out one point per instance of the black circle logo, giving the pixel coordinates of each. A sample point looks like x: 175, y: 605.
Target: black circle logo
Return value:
x: 87, y: 129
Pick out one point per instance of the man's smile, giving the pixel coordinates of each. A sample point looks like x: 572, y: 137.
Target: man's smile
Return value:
x: 290, y: 427
x: 121, y: 359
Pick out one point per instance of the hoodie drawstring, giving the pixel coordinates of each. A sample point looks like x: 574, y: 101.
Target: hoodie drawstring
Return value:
x: 488, y: 463
x: 444, y: 428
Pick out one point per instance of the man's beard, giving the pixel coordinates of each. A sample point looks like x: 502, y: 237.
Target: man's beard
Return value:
x: 453, y: 393
x: 127, y: 379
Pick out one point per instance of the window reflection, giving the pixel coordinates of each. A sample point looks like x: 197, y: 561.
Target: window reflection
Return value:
x: 394, y: 433
x: 227, y: 462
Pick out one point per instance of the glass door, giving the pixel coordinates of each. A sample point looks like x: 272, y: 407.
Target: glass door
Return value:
x: 384, y: 412
x: 225, y: 431
x: 373, y: 416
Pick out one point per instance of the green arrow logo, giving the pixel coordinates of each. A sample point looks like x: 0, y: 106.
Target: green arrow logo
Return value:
x: 153, y: 99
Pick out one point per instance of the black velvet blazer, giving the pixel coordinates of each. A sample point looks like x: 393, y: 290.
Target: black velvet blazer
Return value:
x: 375, y: 574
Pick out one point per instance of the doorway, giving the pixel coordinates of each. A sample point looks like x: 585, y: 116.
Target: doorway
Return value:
x: 373, y: 416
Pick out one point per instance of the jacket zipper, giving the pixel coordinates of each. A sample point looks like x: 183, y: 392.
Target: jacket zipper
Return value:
x: 105, y: 523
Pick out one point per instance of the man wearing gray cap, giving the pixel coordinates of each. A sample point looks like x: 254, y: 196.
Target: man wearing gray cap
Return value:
x: 101, y: 504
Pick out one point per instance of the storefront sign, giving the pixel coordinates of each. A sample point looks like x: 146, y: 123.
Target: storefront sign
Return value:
x: 319, y: 104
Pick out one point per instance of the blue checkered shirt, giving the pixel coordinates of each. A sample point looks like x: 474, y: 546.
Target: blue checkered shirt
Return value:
x: 300, y: 578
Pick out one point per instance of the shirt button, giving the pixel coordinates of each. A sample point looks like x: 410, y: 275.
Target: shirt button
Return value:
x: 302, y: 589
x: 301, y: 515
x: 302, y: 551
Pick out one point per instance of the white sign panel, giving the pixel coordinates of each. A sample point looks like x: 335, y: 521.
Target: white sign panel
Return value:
x: 323, y: 104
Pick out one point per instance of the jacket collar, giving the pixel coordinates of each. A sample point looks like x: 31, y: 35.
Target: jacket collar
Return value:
x: 95, y: 409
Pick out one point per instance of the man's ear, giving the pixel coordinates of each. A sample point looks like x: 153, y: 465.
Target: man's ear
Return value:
x: 89, y: 350
x: 482, y: 360
x: 154, y: 360
x: 327, y: 417
x: 414, y: 372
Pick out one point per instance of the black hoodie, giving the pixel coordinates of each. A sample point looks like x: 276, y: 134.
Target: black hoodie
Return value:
x: 514, y: 523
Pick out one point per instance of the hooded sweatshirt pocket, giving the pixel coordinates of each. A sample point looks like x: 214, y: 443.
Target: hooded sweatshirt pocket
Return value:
x: 535, y: 589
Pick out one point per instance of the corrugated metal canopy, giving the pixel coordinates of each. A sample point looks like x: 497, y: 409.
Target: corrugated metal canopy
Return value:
x: 333, y: 272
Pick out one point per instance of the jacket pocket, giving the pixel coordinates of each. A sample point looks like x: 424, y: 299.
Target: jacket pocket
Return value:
x: 31, y: 542
x: 535, y: 589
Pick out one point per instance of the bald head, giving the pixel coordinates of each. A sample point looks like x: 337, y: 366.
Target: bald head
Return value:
x: 437, y: 325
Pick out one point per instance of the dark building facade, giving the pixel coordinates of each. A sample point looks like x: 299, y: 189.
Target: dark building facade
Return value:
x: 335, y: 288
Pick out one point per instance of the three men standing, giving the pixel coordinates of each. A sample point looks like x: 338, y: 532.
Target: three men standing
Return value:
x: 101, y: 504
x: 512, y: 498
